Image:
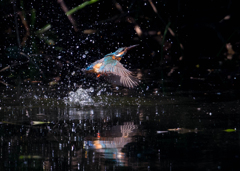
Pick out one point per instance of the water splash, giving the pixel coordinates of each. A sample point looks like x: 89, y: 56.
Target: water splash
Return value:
x: 80, y: 97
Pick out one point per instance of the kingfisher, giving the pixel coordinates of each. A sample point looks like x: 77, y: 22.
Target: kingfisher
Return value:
x: 110, y: 67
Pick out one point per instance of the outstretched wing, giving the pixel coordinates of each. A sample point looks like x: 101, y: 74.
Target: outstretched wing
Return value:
x: 113, y: 66
x: 117, y: 74
x: 126, y: 81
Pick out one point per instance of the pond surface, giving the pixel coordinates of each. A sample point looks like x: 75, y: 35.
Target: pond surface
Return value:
x: 170, y: 132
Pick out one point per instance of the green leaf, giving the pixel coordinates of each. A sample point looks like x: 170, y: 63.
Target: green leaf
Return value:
x: 80, y: 7
x: 33, y: 18
x: 38, y: 122
x: 29, y: 157
x: 230, y: 130
x: 44, y: 29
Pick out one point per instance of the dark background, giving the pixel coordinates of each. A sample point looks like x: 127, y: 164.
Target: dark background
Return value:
x: 196, y: 57
x: 189, y: 121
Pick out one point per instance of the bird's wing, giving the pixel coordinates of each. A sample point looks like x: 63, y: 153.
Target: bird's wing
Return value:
x: 114, y: 67
x: 119, y: 75
x: 126, y: 81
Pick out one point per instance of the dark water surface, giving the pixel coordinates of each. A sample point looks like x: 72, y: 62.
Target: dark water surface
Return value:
x: 179, y: 132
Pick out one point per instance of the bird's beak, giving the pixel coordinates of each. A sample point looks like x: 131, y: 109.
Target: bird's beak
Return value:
x: 130, y: 47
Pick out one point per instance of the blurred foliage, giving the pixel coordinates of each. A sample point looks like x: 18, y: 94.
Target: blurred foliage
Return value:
x: 81, y: 6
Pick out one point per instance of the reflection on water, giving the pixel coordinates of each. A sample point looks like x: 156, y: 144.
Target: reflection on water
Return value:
x: 111, y: 144
x: 166, y: 135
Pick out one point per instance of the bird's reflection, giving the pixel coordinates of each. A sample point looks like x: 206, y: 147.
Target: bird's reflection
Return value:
x: 109, y: 145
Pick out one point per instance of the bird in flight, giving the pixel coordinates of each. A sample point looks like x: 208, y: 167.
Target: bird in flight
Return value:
x: 110, y: 67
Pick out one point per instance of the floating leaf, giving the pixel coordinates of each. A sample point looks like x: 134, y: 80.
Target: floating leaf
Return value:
x: 38, y: 122
x: 230, y: 130
x: 184, y: 130
x: 29, y: 157
x: 89, y: 31
x: 6, y: 122
x: 162, y: 132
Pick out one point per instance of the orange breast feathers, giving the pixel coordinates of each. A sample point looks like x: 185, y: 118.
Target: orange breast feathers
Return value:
x: 96, y: 67
x: 117, y: 58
